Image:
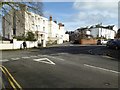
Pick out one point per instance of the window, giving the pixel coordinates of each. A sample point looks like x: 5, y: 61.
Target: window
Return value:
x: 32, y: 18
x: 43, y: 28
x: 43, y: 21
x: 35, y: 17
x: 38, y: 19
x: 33, y: 27
x: 38, y: 26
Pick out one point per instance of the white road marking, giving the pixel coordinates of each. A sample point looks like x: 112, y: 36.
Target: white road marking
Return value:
x: 15, y: 58
x: 90, y: 51
x: 44, y: 60
x: 62, y: 53
x: 108, y: 57
x: 33, y: 56
x: 52, y: 57
x: 39, y: 55
x: 4, y: 60
x: 71, y: 45
x: 53, y: 54
x: 25, y: 57
x: 101, y: 68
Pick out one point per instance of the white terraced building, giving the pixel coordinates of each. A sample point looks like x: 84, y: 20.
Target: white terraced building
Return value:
x: 103, y: 32
x: 19, y: 22
x: 107, y: 32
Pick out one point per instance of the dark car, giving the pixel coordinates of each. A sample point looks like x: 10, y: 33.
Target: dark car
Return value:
x: 109, y: 43
x: 76, y: 42
x: 114, y: 44
x: 99, y: 42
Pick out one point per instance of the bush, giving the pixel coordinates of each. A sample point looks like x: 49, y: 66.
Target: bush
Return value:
x: 30, y: 36
x: 19, y: 37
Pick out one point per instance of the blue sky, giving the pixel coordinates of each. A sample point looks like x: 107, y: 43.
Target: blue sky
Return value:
x: 59, y: 10
x: 80, y: 14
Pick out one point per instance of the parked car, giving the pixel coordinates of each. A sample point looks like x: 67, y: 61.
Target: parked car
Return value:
x: 99, y: 42
x: 109, y: 43
x: 76, y: 42
x: 114, y: 44
x: 104, y: 42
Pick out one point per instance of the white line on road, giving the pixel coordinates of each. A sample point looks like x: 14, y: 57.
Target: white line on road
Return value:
x: 108, y: 57
x: 89, y: 51
x: 62, y: 53
x: 101, y: 68
x: 15, y: 58
x: 4, y: 60
x: 44, y: 60
x: 52, y: 57
x: 39, y: 55
x: 25, y: 57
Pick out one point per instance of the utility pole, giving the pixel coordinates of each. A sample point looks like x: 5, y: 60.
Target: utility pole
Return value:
x: 101, y: 30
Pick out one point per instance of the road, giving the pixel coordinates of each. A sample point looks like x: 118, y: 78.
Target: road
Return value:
x: 64, y: 66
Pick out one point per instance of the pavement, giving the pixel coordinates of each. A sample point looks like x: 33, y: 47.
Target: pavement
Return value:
x: 64, y: 66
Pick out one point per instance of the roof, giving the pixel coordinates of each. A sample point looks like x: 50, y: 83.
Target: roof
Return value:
x: 110, y: 27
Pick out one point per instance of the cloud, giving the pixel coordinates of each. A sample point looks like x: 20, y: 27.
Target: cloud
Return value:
x: 93, y: 12
x: 96, y: 0
x: 70, y: 26
x: 101, y: 6
x: 96, y: 12
x: 89, y: 12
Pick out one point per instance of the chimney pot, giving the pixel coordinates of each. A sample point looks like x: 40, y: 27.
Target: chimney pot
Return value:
x: 55, y: 21
x: 50, y: 18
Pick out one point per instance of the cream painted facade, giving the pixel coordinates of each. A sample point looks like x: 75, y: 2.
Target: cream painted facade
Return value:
x: 102, y: 32
x: 38, y: 25
x: 53, y: 31
x: 105, y: 32
x: 21, y: 22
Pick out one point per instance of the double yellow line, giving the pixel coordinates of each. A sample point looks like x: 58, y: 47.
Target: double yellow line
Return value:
x: 10, y: 78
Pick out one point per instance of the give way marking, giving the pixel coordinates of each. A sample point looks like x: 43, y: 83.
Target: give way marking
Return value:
x: 44, y: 60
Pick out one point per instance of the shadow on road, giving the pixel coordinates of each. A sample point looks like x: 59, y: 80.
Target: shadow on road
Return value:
x: 91, y: 50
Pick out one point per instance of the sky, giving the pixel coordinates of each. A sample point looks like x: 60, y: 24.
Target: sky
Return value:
x: 0, y: 23
x: 81, y: 13
x: 77, y: 14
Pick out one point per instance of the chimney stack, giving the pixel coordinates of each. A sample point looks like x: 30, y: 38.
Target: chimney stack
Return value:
x: 61, y: 25
x: 50, y: 18
x: 55, y: 22
x: 23, y: 7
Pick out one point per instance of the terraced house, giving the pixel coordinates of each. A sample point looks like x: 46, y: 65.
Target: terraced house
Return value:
x: 19, y: 22
x: 99, y: 31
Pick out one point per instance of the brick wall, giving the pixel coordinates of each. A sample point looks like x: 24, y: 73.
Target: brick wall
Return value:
x: 88, y: 41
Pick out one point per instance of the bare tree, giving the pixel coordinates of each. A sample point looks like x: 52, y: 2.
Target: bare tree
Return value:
x: 35, y: 7
x: 6, y: 7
